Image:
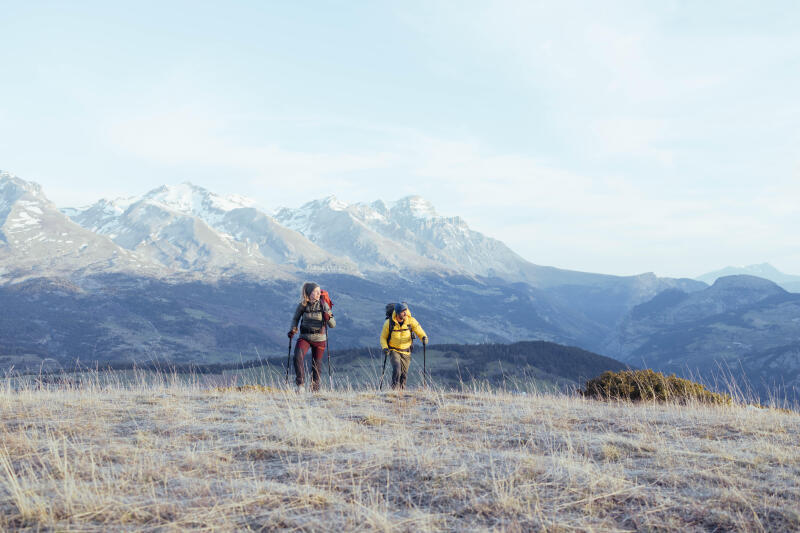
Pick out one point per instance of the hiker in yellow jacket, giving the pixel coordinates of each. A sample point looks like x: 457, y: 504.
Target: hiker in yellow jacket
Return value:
x: 396, y: 342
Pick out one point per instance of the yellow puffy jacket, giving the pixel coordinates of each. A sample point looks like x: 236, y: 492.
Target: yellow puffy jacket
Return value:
x: 401, y: 333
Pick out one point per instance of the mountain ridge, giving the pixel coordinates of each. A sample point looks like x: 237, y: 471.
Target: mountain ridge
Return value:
x: 789, y: 282
x: 36, y: 239
x: 227, y: 233
x: 740, y: 324
x: 329, y: 235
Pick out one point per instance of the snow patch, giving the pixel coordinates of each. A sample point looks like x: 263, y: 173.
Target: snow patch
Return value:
x: 23, y: 220
x: 33, y: 207
x: 191, y: 200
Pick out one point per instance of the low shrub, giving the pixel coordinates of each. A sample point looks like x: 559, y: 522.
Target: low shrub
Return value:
x: 647, y: 385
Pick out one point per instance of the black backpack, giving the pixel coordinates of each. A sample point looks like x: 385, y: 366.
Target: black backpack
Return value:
x: 389, y: 311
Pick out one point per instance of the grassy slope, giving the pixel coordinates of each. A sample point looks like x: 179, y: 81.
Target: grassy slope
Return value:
x: 181, y: 455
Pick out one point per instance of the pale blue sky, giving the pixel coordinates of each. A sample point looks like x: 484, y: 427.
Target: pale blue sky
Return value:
x: 618, y: 137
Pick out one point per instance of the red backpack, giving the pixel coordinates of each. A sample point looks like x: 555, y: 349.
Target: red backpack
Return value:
x: 325, y: 297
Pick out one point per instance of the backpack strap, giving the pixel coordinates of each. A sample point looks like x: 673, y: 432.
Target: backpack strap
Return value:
x: 389, y: 336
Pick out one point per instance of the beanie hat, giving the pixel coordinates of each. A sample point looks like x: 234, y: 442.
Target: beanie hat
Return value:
x: 399, y: 308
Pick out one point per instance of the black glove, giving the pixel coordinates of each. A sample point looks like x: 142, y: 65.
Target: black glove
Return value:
x: 292, y: 332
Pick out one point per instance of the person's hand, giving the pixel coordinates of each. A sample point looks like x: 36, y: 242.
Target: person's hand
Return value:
x: 292, y: 332
x: 326, y: 316
x: 385, y: 352
x: 425, y: 340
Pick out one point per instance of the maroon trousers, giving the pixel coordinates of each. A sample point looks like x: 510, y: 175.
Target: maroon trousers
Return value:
x: 317, y: 352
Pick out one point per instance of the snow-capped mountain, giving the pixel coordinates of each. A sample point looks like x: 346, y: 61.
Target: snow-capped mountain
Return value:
x: 37, y: 239
x: 355, y: 232
x: 197, y: 201
x: 409, y: 235
x: 186, y: 227
x: 405, y: 235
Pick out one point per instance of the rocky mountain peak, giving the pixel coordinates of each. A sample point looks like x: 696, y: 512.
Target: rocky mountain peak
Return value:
x: 13, y: 187
x: 380, y: 207
x: 191, y: 199
x: 24, y: 196
x: 415, y: 206
x: 330, y: 202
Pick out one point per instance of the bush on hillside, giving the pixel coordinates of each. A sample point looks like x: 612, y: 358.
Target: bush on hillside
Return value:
x: 646, y: 385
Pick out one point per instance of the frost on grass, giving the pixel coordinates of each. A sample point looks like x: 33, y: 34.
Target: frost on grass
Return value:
x: 179, y: 456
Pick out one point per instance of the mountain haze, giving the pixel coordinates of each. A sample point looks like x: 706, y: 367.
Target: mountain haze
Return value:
x: 764, y: 270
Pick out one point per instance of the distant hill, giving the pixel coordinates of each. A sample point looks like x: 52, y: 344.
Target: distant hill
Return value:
x: 117, y: 319
x: 741, y: 323
x: 764, y: 270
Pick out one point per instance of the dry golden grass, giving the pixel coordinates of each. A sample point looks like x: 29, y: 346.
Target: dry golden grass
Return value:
x: 177, y: 456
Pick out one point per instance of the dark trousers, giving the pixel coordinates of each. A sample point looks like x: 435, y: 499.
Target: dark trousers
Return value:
x: 317, y: 352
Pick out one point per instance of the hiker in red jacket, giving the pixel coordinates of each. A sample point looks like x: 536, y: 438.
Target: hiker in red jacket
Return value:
x: 314, y: 316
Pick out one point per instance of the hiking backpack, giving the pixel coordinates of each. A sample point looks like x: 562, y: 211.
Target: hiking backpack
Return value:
x: 325, y: 297
x: 389, y: 311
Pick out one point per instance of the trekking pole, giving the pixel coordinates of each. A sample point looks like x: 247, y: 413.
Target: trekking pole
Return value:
x: 328, y: 349
x: 288, y: 359
x: 383, y: 371
x: 424, y: 364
